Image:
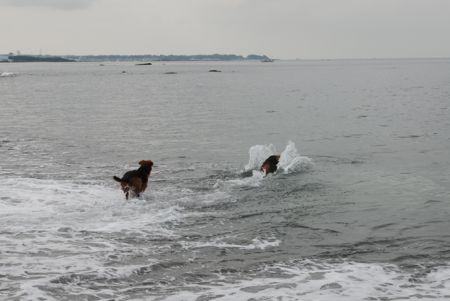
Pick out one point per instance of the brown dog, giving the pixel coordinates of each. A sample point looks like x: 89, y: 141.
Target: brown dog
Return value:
x: 270, y: 165
x: 136, y: 180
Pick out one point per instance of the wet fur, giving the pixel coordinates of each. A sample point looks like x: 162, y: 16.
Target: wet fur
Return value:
x: 270, y: 165
x: 135, y: 180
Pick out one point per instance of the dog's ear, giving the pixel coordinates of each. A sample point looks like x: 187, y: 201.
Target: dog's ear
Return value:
x: 148, y: 163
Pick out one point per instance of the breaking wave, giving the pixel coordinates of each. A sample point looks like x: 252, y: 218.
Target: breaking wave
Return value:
x: 309, y: 280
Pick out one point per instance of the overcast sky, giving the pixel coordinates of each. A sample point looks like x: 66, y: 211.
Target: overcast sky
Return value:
x: 284, y: 29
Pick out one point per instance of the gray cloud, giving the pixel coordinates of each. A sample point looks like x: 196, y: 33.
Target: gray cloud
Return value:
x: 278, y: 28
x: 56, y: 4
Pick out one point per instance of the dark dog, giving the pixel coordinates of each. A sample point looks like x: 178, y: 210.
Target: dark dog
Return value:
x: 270, y: 165
x: 136, y: 180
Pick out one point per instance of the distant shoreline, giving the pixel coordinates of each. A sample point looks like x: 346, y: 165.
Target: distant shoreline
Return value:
x: 33, y: 58
x: 183, y: 58
x: 166, y: 58
x: 136, y: 58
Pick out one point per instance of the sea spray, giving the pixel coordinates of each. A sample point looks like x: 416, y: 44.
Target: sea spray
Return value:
x: 257, y: 155
x: 290, y: 160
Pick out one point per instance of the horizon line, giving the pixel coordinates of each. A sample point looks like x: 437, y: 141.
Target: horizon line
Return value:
x: 233, y: 54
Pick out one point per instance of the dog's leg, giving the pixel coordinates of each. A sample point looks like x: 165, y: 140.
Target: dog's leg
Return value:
x: 126, y: 195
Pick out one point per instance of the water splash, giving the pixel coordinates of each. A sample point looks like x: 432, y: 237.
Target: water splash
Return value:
x: 259, y: 153
x: 290, y: 159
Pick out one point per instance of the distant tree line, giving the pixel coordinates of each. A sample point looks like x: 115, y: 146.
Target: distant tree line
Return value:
x: 166, y: 58
x: 34, y: 58
x: 138, y: 58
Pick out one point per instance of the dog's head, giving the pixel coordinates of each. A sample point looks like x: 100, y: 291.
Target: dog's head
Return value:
x: 270, y: 165
x: 147, y: 163
x: 146, y: 166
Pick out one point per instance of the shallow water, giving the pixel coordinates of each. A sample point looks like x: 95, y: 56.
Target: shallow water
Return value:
x: 358, y: 211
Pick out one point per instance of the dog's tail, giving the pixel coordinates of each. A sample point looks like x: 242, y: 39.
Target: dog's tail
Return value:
x: 118, y: 179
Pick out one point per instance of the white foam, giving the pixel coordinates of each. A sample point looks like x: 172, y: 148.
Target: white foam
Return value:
x: 48, y: 205
x: 256, y: 244
x: 56, y: 228
x: 262, y: 244
x: 7, y: 74
x: 313, y: 281
x: 255, y: 180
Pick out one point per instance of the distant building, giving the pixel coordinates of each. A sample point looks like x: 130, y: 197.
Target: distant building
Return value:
x: 4, y: 57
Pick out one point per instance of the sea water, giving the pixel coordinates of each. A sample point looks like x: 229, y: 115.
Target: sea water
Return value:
x: 357, y: 210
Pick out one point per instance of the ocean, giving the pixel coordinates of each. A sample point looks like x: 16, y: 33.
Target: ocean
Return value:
x: 358, y: 209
